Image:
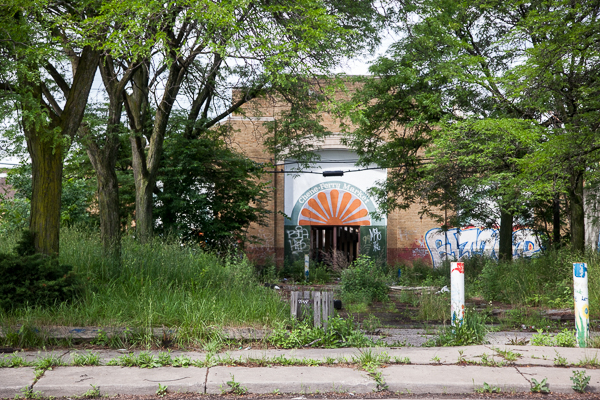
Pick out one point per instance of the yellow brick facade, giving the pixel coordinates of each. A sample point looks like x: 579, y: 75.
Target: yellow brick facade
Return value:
x: 406, y: 229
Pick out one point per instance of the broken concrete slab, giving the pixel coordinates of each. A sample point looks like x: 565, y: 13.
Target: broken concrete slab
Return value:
x: 289, y: 380
x: 14, y: 380
x: 76, y: 381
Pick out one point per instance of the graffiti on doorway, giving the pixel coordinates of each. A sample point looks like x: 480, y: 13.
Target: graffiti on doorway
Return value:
x: 375, y: 239
x: 457, y: 244
x: 298, y: 240
x: 373, y: 242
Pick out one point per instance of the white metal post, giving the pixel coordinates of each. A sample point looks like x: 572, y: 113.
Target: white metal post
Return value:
x: 457, y: 292
x: 582, y: 309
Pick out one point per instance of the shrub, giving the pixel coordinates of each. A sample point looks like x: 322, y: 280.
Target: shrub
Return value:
x: 35, y: 279
x: 318, y: 272
x: 566, y: 338
x: 364, y: 279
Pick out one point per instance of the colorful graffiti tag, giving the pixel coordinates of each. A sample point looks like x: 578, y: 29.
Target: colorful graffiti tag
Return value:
x: 457, y: 243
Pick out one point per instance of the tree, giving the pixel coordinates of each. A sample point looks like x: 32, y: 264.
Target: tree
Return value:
x: 49, y: 107
x: 76, y: 199
x: 208, y: 192
x: 560, y: 79
x: 486, y: 60
x: 204, y: 49
x: 481, y: 159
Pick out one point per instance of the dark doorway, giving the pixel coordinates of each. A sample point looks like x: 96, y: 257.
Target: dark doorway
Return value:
x: 344, y: 239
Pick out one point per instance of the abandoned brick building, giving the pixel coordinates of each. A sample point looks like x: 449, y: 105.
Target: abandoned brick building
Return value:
x: 313, y: 213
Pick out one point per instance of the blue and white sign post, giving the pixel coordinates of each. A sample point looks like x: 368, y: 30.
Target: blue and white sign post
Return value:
x: 306, y: 260
x: 582, y: 308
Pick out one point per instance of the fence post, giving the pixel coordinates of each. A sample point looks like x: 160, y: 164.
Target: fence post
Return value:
x: 582, y: 310
x: 317, y: 308
x: 294, y: 304
x: 457, y: 292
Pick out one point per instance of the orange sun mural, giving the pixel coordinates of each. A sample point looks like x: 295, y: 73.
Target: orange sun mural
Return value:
x: 327, y: 208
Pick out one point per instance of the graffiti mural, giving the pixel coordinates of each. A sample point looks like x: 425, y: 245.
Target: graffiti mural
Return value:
x: 457, y: 243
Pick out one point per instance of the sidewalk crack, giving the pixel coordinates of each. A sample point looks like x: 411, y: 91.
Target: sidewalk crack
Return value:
x: 522, y: 375
x: 206, y: 379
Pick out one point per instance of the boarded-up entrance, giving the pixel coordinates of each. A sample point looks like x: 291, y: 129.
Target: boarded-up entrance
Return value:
x: 344, y: 239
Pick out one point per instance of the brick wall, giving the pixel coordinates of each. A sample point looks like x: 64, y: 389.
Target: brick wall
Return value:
x: 406, y: 228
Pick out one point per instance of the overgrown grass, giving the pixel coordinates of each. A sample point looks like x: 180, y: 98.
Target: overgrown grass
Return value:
x: 527, y: 284
x: 543, y: 281
x: 421, y: 274
x: 157, y: 284
x: 364, y: 282
x: 546, y: 280
x: 472, y: 331
x: 434, y: 307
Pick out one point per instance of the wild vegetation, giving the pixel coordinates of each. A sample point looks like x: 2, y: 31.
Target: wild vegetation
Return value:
x: 499, y: 127
x: 159, y: 284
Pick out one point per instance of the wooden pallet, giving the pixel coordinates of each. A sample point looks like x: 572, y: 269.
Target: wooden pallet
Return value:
x: 319, y: 305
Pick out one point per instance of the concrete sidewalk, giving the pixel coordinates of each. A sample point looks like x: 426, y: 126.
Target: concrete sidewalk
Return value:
x: 431, y: 370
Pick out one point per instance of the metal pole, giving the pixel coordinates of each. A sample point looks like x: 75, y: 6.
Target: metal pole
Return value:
x: 457, y: 292
x: 582, y: 309
x: 306, y: 260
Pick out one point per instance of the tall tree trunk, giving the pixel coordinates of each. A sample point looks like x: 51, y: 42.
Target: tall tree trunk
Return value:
x: 47, y: 167
x: 506, y: 236
x: 104, y: 158
x: 144, y: 187
x: 104, y: 163
x: 145, y: 166
x: 577, y: 215
x: 556, y: 221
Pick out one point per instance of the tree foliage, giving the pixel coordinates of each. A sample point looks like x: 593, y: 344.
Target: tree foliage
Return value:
x: 497, y: 88
x: 208, y: 193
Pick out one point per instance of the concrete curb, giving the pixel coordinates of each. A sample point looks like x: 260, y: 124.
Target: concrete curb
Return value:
x: 13, y: 380
x: 290, y: 380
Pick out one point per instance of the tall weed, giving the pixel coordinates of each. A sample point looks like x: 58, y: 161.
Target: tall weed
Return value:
x: 545, y: 280
x: 156, y: 284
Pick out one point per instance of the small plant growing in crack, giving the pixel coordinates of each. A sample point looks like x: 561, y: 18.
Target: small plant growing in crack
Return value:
x: 28, y: 393
x: 162, y: 390
x: 234, y: 387
x: 487, y: 388
x: 377, y: 376
x: 508, y: 355
x: 559, y: 360
x: 92, y: 393
x: 580, y: 381
x: 539, y: 387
